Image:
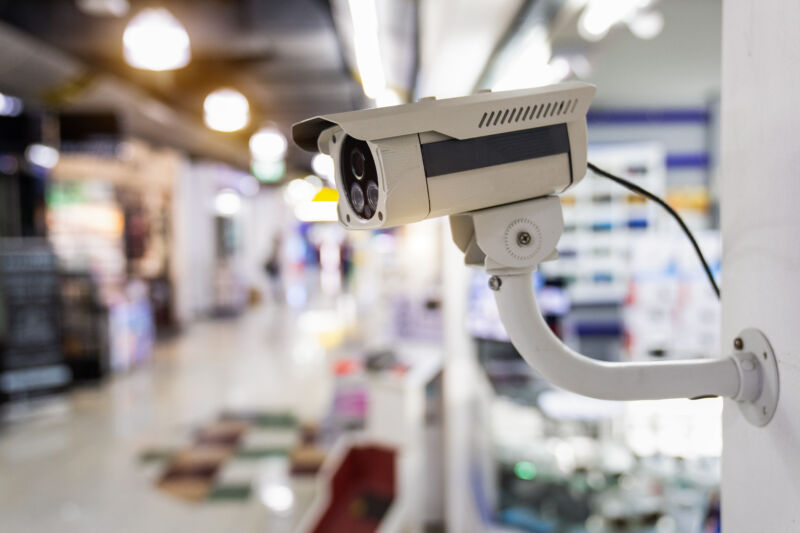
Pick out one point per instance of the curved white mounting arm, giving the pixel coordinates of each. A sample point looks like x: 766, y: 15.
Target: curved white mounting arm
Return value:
x: 511, y: 240
x: 570, y: 370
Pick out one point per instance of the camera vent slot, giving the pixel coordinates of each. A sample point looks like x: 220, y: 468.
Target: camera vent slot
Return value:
x: 505, y: 114
x: 525, y: 113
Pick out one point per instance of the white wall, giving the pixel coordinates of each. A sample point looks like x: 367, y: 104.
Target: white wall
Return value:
x: 193, y: 236
x: 263, y: 219
x: 761, y: 252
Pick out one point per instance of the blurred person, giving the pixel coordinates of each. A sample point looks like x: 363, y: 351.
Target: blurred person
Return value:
x: 272, y: 267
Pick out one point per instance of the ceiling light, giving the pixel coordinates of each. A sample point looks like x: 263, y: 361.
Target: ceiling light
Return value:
x: 226, y: 110
x: 647, y: 24
x: 104, y: 8
x: 529, y: 67
x: 388, y: 97
x: 268, y: 144
x: 367, y: 47
x: 227, y: 203
x: 10, y: 106
x: 322, y: 165
x: 600, y: 15
x: 42, y: 155
x: 155, y: 40
x: 268, y: 171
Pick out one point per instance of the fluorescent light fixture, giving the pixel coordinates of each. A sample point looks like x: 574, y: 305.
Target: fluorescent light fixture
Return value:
x: 226, y: 110
x: 367, y: 47
x: 268, y: 144
x: 316, y: 212
x: 155, y: 40
x: 227, y: 203
x: 532, y: 66
x: 42, y: 155
x: 388, y: 97
x: 104, y: 8
x: 599, y: 16
x: 646, y: 24
x: 10, y: 106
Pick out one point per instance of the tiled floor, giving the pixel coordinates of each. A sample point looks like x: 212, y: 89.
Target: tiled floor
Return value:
x: 71, y: 465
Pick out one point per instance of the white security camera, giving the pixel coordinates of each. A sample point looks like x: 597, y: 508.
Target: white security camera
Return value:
x: 492, y: 161
x: 402, y: 164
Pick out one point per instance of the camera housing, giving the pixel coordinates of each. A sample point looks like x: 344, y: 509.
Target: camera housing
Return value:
x: 401, y: 164
x: 492, y: 161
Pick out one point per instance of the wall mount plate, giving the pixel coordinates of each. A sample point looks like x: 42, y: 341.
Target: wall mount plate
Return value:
x: 760, y: 411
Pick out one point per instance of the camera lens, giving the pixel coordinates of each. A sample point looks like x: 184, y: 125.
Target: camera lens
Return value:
x: 359, y: 175
x: 372, y: 195
x: 357, y: 197
x: 357, y: 162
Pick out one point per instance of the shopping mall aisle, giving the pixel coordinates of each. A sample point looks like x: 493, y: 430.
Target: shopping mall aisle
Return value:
x: 75, y: 464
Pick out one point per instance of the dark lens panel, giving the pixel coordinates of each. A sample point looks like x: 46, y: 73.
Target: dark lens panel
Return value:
x: 357, y: 162
x: 372, y: 195
x: 359, y: 177
x: 357, y: 197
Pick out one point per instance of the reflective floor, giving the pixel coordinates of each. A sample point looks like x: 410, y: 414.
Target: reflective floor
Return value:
x: 72, y: 464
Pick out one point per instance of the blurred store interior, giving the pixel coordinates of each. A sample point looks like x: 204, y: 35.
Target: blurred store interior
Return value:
x: 190, y: 342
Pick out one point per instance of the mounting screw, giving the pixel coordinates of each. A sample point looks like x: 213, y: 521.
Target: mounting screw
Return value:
x: 523, y: 238
x: 737, y: 343
x: 495, y: 283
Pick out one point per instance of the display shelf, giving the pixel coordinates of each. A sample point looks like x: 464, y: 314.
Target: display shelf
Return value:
x: 31, y: 358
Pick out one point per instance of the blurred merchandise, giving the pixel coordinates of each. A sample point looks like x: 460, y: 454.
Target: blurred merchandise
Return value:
x: 85, y: 327
x: 131, y: 328
x: 358, y: 485
x: 31, y: 357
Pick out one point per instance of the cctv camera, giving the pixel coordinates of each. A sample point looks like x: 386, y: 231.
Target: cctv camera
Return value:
x: 492, y: 161
x: 402, y: 164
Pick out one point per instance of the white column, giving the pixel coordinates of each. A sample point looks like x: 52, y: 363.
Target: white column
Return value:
x: 760, y: 185
x: 460, y: 389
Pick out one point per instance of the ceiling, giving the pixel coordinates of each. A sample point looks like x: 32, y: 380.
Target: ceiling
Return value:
x: 294, y: 58
x: 679, y: 67
x: 285, y: 56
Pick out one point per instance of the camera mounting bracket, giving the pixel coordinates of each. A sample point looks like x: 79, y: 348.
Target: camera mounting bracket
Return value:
x: 511, y: 240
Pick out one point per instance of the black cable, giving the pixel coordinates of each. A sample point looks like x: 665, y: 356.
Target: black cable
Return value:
x: 644, y: 192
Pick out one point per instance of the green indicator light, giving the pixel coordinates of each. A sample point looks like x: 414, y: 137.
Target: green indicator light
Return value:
x: 525, y: 470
